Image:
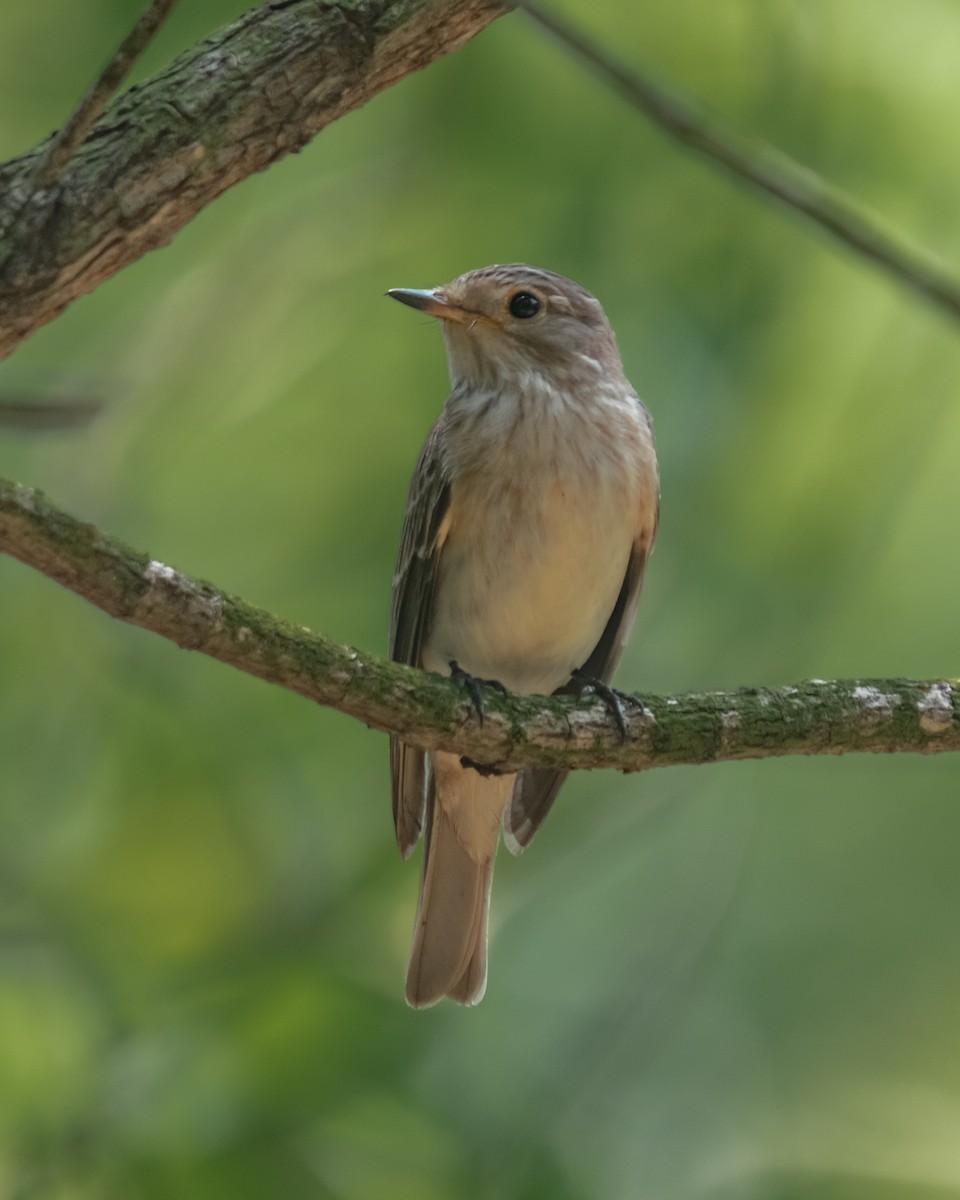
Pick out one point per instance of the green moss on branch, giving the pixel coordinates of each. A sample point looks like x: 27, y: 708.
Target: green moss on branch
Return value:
x: 816, y: 717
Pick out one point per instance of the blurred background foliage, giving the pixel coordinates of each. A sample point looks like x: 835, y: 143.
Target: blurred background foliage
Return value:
x: 738, y: 981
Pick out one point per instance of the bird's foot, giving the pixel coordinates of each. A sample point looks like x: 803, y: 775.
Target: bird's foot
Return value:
x: 613, y: 699
x: 486, y: 770
x: 472, y: 686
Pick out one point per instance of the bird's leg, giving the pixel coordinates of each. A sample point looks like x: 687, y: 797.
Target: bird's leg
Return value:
x: 472, y: 686
x: 613, y: 699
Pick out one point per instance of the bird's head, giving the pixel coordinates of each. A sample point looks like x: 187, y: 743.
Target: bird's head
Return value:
x: 503, y: 322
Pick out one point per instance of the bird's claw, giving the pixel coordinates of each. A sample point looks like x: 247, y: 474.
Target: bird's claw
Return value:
x: 613, y: 699
x: 472, y: 685
x: 486, y: 770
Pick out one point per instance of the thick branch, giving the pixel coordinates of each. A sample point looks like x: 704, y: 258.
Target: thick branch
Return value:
x: 429, y: 711
x: 760, y: 166
x: 250, y: 94
x: 263, y: 87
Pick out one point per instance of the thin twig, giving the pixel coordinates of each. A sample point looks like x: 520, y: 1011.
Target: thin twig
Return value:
x: 764, y: 167
x: 816, y: 717
x: 67, y: 141
x: 48, y: 413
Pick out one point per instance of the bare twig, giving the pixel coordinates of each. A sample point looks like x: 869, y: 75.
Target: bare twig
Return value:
x: 816, y: 717
x: 763, y: 167
x: 48, y: 413
x: 90, y: 109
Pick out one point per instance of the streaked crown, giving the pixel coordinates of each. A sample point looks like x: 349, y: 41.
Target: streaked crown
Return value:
x: 508, y: 318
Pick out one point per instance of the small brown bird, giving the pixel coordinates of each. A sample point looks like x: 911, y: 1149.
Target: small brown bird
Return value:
x: 531, y: 514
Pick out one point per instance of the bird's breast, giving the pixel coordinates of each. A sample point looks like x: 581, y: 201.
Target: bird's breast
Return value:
x: 542, y: 521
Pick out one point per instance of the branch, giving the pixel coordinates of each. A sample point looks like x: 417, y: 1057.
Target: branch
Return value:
x: 255, y: 91
x: 42, y: 413
x: 90, y: 109
x: 430, y: 711
x: 763, y: 167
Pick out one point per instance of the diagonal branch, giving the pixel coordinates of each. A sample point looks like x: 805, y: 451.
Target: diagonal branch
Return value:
x: 90, y: 109
x: 253, y: 92
x: 262, y: 88
x: 816, y: 717
x: 763, y: 167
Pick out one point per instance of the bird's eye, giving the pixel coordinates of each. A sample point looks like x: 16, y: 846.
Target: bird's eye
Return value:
x: 524, y: 305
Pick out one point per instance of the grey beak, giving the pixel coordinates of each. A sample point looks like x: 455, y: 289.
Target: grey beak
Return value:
x: 430, y: 301
x: 421, y: 298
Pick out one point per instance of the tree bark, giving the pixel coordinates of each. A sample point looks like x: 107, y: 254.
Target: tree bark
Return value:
x: 816, y: 717
x: 232, y: 105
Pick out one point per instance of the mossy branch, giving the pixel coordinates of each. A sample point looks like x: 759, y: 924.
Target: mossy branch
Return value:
x: 816, y: 717
x: 85, y: 203
x: 251, y: 93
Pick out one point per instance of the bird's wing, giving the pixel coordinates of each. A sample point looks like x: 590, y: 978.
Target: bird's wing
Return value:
x: 536, y: 787
x: 411, y: 610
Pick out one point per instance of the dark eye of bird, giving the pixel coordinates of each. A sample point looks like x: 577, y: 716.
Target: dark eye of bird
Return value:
x: 524, y: 305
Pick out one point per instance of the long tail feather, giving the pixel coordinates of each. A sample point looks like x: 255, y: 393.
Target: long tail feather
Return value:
x: 449, y: 955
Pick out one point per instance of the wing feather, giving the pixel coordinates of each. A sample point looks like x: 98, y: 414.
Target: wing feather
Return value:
x: 411, y: 611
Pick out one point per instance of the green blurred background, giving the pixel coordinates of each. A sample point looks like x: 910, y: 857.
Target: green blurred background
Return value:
x: 739, y: 981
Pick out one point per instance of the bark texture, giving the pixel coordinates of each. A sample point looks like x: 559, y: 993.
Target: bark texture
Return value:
x: 231, y: 105
x: 816, y: 717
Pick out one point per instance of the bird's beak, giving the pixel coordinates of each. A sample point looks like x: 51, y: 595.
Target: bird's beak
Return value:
x: 430, y: 301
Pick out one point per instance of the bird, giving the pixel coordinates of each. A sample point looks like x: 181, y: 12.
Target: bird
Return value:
x: 530, y: 517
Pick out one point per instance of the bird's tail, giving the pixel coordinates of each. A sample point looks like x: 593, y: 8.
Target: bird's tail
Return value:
x: 449, y: 955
